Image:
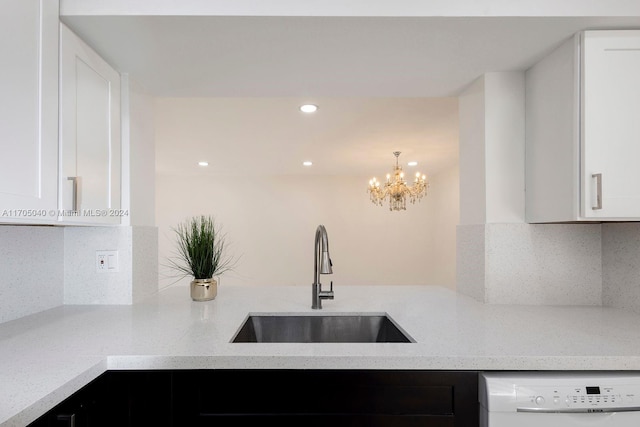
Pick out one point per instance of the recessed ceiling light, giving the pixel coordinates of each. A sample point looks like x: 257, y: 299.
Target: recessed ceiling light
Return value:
x: 308, y: 108
x: 203, y: 164
x: 412, y: 163
x: 307, y: 163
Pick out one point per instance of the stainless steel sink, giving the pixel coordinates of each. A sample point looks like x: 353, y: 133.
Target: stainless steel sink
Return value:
x: 325, y: 328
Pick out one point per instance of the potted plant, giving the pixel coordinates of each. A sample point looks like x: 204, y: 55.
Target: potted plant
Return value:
x: 201, y: 254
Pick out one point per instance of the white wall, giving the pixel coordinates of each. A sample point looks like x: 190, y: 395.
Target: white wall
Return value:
x: 492, y: 136
x: 271, y: 220
x: 443, y: 213
x: 473, y: 203
x: 271, y: 223
x: 504, y: 147
x: 142, y: 156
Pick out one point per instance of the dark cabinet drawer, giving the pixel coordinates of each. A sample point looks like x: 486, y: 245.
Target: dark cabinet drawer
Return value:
x: 333, y: 398
x: 326, y: 397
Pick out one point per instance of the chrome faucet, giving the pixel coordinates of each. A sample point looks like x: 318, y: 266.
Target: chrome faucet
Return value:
x: 322, y: 265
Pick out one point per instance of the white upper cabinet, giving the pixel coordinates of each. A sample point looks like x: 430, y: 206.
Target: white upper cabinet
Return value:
x: 611, y: 124
x: 29, y: 111
x: 90, y: 134
x: 583, y: 130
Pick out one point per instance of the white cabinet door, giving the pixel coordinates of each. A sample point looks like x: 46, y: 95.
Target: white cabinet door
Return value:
x: 611, y: 124
x: 583, y: 130
x: 90, y: 134
x: 552, y: 167
x: 28, y: 111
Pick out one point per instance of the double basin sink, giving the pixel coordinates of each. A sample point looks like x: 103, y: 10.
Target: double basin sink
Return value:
x: 325, y: 328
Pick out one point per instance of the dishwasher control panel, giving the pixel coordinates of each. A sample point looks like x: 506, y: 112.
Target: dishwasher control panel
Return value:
x: 560, y: 391
x: 594, y: 396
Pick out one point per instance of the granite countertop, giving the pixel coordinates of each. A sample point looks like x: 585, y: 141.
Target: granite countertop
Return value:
x: 47, y: 356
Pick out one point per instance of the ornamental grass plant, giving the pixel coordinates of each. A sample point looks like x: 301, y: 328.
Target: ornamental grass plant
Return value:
x: 202, y: 249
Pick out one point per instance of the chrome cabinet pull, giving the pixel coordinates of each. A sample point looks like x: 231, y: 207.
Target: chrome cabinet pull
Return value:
x: 68, y: 420
x: 76, y: 183
x: 598, y: 177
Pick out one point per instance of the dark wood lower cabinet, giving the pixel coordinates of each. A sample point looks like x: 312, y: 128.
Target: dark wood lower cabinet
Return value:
x: 326, y: 398
x: 116, y: 399
x: 284, y: 397
x: 81, y: 409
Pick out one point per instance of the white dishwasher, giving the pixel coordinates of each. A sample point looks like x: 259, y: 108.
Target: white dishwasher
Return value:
x: 559, y: 399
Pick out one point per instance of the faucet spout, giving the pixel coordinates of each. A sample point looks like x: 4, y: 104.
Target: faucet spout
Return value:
x: 322, y: 265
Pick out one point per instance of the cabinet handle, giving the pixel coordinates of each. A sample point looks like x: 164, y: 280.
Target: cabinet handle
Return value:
x: 598, y: 177
x: 69, y: 420
x: 76, y: 183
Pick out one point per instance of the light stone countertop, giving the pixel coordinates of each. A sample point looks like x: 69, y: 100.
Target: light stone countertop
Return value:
x: 47, y: 356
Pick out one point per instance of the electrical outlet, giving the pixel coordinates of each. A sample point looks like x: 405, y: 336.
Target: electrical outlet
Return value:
x: 107, y: 261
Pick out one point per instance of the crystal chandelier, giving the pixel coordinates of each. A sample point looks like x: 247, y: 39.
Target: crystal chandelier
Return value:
x: 397, y: 190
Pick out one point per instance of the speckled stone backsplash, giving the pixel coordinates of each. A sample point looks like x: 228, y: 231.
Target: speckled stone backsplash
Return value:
x: 31, y: 270
x: 534, y: 264
x: 42, y: 267
x: 138, y: 264
x: 621, y: 265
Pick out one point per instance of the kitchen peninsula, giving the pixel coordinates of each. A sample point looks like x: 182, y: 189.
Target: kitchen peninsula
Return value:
x: 47, y: 356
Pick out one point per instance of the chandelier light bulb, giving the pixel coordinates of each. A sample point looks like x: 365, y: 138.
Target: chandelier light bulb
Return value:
x: 309, y: 108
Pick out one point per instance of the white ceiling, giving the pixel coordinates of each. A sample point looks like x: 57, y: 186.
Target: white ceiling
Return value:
x: 342, y: 63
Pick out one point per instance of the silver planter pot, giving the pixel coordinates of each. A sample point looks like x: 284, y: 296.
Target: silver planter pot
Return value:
x: 204, y: 289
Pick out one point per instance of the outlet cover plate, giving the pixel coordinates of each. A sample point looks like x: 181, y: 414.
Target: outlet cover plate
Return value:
x: 107, y: 262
